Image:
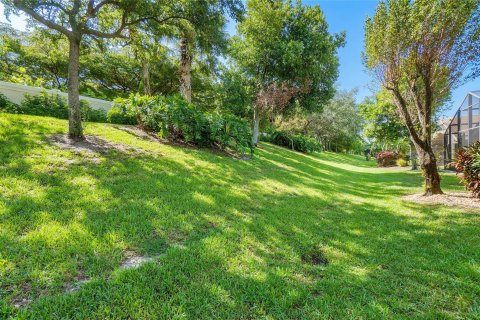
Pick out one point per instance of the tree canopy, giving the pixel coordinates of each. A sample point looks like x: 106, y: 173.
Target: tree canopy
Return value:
x: 286, y: 48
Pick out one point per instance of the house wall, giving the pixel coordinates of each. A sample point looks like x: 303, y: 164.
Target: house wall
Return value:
x: 15, y: 93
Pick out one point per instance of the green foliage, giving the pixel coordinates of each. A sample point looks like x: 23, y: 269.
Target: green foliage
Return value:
x: 91, y: 114
x: 7, y: 106
x: 381, y: 122
x: 54, y: 105
x: 175, y: 119
x: 297, y: 142
x: 45, y: 104
x: 122, y: 112
x: 285, y: 43
x: 230, y: 131
x: 337, y: 126
x: 235, y: 92
x: 468, y: 164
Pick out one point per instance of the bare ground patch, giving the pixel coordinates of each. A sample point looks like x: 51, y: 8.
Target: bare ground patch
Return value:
x: 452, y: 199
x: 133, y: 260
x: 93, y: 145
x: 142, y: 134
x: 78, y: 281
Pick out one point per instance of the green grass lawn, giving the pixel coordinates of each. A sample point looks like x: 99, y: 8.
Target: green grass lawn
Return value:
x: 283, y: 236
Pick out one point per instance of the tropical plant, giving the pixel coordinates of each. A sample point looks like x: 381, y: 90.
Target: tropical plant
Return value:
x: 175, y: 119
x: 468, y: 165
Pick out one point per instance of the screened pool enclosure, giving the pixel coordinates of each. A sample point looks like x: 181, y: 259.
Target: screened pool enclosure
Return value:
x: 464, y: 129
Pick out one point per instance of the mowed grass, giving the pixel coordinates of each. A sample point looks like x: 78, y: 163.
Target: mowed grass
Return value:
x: 231, y: 239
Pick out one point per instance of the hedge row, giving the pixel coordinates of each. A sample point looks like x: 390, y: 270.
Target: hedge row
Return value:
x: 50, y: 105
x: 295, y: 142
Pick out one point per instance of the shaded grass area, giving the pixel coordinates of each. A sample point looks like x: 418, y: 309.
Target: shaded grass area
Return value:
x: 285, y: 235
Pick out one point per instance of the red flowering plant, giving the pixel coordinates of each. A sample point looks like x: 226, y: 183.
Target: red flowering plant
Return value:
x: 386, y: 158
x: 467, y: 164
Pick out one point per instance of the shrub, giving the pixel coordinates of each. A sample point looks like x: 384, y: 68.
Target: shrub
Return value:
x: 229, y: 131
x: 386, y: 158
x: 175, y: 119
x: 8, y: 106
x: 92, y: 115
x: 122, y: 112
x: 296, y: 142
x: 468, y: 164
x: 402, y: 162
x: 45, y: 104
x: 54, y: 105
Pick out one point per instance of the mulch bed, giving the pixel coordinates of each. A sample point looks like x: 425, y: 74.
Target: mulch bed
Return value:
x: 452, y: 199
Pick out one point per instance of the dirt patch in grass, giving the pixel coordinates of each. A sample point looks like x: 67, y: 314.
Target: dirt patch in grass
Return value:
x: 21, y: 302
x: 452, y: 199
x: 133, y: 260
x: 79, y: 281
x: 142, y: 134
x: 92, y: 145
x: 315, y: 257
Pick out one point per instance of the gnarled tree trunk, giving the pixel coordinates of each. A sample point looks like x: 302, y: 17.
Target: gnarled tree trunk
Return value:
x: 75, y: 130
x: 428, y: 164
x: 185, y: 69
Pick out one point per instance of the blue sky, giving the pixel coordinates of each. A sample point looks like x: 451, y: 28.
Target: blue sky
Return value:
x: 349, y: 16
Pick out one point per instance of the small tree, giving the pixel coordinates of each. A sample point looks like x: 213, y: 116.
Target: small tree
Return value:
x: 75, y: 20
x: 420, y: 50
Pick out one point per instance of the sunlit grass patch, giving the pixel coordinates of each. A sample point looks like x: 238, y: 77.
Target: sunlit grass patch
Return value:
x: 284, y: 235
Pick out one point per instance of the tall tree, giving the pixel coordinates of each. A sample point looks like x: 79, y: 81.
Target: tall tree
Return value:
x: 203, y: 32
x: 286, y: 47
x: 186, y: 57
x: 76, y: 20
x: 419, y: 50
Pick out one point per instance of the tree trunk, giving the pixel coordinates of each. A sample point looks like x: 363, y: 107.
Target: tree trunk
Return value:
x: 185, y: 70
x: 413, y: 156
x: 428, y: 164
x: 146, y: 78
x: 75, y: 130
x: 256, y: 125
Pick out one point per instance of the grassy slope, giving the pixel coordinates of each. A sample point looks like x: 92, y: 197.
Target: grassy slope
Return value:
x: 230, y: 234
